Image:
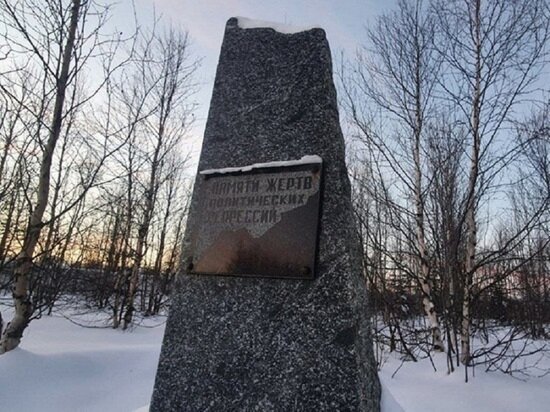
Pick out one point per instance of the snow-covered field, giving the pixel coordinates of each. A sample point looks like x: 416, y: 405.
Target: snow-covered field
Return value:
x: 417, y: 388
x: 64, y: 367
x: 60, y: 366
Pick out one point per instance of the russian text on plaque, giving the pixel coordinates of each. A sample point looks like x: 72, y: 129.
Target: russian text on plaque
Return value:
x: 259, y: 220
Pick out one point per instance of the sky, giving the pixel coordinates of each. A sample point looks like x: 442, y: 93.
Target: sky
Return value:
x: 344, y: 21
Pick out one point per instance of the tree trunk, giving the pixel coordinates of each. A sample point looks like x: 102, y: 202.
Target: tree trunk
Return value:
x: 471, y: 225
x: 157, y: 270
x: 11, y: 336
x: 427, y: 300
x: 51, y: 229
x: 143, y: 231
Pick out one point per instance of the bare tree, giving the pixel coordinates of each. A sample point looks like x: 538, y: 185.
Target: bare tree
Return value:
x: 397, y: 78
x: 431, y: 100
x: 167, y: 71
x: 23, y: 309
x: 492, y: 52
x: 56, y: 44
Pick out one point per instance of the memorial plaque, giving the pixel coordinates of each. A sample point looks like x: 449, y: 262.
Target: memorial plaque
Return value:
x: 258, y: 220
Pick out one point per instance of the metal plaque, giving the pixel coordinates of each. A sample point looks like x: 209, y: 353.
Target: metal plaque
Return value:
x: 260, y: 221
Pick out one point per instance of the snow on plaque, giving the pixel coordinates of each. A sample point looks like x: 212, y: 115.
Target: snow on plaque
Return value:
x: 258, y: 220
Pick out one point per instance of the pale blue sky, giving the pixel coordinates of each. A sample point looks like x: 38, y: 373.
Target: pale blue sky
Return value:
x: 344, y: 22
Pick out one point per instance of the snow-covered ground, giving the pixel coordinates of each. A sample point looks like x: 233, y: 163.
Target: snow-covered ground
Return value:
x: 60, y: 366
x: 64, y: 367
x: 417, y: 388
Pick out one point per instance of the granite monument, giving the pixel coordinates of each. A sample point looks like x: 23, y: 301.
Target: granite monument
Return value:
x: 253, y: 325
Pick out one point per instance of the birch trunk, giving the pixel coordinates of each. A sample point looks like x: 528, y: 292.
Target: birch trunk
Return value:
x: 51, y: 228
x: 143, y: 231
x: 427, y: 300
x: 158, y: 261
x: 120, y: 280
x: 172, y: 86
x: 11, y: 336
x: 471, y: 225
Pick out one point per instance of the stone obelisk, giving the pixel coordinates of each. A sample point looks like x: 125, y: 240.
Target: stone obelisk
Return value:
x: 268, y: 344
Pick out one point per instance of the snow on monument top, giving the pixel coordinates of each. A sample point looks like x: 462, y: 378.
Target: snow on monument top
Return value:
x: 305, y: 160
x: 246, y: 23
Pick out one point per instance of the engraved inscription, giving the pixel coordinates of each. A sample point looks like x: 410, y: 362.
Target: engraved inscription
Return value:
x: 256, y: 222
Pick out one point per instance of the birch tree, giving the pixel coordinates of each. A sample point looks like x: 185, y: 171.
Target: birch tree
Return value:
x: 492, y: 52
x: 396, y: 77
x: 163, y: 74
x: 13, y: 332
x: 54, y: 44
x: 167, y: 124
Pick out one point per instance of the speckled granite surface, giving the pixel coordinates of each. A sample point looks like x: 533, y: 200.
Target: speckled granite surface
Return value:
x: 253, y: 344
